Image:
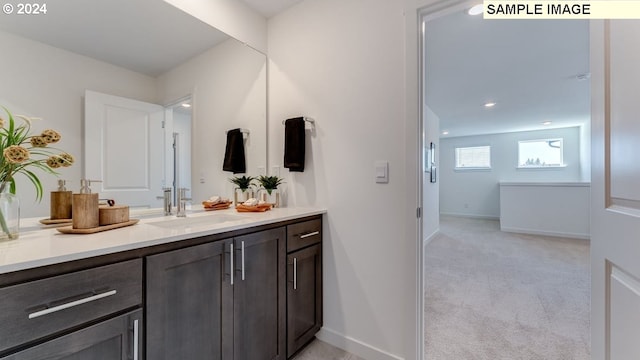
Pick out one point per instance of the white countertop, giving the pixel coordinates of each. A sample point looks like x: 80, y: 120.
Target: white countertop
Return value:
x: 39, y: 245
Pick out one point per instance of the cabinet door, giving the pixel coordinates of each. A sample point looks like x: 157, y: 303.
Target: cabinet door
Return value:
x: 304, y: 297
x: 188, y: 297
x: 259, y: 296
x: 115, y: 339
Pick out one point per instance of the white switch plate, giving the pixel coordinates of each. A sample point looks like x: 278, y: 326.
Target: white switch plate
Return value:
x: 275, y: 171
x: 262, y: 170
x: 382, y: 172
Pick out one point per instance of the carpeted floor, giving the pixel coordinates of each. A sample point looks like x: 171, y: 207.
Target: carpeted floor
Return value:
x: 494, y: 295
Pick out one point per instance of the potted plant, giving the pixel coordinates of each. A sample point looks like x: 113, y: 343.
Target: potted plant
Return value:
x: 20, y: 153
x: 269, y: 192
x: 243, y: 190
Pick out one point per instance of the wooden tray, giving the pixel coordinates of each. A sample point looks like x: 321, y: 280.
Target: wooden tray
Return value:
x: 71, y: 230
x: 256, y: 208
x: 55, y: 222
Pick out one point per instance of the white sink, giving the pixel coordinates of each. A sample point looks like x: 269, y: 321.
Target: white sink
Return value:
x: 185, y: 222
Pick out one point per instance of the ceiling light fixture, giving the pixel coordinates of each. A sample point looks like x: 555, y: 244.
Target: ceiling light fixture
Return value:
x: 185, y: 105
x: 476, y: 10
x: 445, y: 132
x: 489, y: 104
x: 546, y: 123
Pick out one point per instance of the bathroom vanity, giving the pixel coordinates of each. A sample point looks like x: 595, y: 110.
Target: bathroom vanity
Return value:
x: 219, y: 285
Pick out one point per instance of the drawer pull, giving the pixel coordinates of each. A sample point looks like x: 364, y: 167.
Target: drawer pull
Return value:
x: 71, y: 304
x: 232, y: 269
x: 309, y: 234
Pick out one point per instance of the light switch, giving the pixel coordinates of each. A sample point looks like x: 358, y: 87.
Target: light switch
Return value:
x: 382, y: 172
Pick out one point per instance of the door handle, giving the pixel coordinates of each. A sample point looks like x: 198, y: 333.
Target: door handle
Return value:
x: 295, y: 274
x: 135, y: 339
x: 242, y: 252
x: 231, y: 270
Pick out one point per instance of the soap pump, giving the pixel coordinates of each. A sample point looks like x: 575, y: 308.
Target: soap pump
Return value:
x: 61, y: 202
x: 85, y: 207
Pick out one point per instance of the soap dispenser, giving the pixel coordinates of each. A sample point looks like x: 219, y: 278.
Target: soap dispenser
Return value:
x: 85, y: 207
x: 61, y: 202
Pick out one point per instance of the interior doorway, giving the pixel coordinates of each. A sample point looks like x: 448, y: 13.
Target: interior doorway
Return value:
x: 490, y: 89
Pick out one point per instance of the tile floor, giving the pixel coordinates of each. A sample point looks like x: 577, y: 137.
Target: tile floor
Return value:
x: 319, y: 350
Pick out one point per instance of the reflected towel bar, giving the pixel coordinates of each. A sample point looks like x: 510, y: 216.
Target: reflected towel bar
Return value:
x: 307, y: 119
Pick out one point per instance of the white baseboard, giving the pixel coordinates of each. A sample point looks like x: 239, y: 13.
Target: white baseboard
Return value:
x: 354, y: 346
x: 546, y: 233
x: 472, y: 216
x: 428, y: 239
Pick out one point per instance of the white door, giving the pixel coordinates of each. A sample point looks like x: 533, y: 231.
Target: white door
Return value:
x: 124, y: 147
x: 615, y: 197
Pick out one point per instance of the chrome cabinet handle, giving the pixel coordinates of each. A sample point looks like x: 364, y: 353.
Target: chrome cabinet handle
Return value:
x: 242, y: 243
x: 71, y: 304
x: 295, y: 274
x: 135, y: 339
x: 309, y: 234
x: 232, y: 270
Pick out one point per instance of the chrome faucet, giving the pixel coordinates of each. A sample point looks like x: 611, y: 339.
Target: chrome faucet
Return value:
x: 182, y: 202
x: 166, y: 200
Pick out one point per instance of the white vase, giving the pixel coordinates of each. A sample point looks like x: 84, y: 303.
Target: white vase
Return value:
x: 270, y: 196
x: 240, y: 196
x: 9, y: 214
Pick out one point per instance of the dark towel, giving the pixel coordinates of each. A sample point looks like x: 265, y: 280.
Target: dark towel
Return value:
x: 294, y: 144
x: 234, y: 154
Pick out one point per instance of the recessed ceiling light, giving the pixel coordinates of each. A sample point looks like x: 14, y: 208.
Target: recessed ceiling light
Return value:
x: 547, y: 123
x: 476, y: 9
x: 185, y: 105
x: 489, y: 104
x: 445, y: 132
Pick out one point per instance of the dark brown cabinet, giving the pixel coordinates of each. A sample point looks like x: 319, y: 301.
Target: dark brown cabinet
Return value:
x: 304, y: 285
x: 188, y: 300
x: 250, y: 294
x: 259, y: 296
x: 304, y: 297
x: 198, y: 309
x: 119, y: 338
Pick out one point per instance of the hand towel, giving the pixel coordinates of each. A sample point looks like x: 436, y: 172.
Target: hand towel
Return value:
x: 234, y: 154
x: 294, y: 144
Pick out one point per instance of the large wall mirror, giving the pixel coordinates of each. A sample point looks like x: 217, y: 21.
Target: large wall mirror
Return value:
x: 81, y: 65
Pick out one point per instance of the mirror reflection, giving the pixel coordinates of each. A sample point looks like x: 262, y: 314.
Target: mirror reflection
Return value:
x: 145, y: 51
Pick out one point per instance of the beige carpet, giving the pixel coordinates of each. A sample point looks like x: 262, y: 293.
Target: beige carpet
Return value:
x: 494, y: 295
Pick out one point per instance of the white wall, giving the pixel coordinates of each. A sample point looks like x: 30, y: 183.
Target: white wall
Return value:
x: 343, y: 63
x: 431, y: 196
x: 553, y: 209
x: 43, y: 81
x: 476, y: 192
x: 227, y: 84
x: 232, y: 17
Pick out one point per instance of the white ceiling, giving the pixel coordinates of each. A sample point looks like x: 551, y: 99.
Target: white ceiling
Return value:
x: 529, y: 68
x: 269, y: 8
x: 146, y: 36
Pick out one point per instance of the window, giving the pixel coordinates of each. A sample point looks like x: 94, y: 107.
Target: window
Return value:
x: 540, y: 153
x: 477, y: 157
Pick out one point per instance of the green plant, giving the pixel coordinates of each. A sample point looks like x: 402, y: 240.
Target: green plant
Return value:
x: 23, y: 152
x: 243, y: 182
x: 269, y: 183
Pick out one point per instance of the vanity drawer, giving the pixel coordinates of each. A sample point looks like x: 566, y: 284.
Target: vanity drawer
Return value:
x: 304, y: 234
x: 40, y: 308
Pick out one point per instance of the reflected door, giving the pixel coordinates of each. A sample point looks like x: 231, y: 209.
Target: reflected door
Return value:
x: 124, y: 148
